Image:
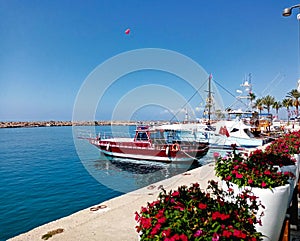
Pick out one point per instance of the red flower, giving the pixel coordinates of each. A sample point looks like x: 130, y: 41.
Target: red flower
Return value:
x: 239, y: 234
x: 174, y: 237
x: 137, y: 216
x: 146, y: 223
x: 156, y: 229
x: 202, y: 206
x: 226, y: 233
x: 228, y: 178
x: 160, y: 214
x: 166, y: 232
x: 222, y: 216
x: 162, y: 220
x: 179, y: 206
x: 215, y: 215
x: 238, y: 175
x: 250, y: 221
x: 183, y: 237
x: 252, y: 198
x: 175, y: 194
x: 263, y: 184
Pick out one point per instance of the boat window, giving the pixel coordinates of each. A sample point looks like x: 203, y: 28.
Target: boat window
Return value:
x: 171, y: 136
x: 234, y: 130
x: 249, y: 133
x: 142, y: 136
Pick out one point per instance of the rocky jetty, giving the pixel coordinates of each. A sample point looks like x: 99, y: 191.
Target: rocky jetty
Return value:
x: 22, y: 124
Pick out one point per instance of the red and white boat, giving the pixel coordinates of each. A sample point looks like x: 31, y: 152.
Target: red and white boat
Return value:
x: 162, y: 145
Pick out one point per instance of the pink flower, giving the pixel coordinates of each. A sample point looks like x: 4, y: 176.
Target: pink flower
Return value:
x: 215, y: 237
x: 216, y: 155
x: 263, y: 184
x: 198, y: 233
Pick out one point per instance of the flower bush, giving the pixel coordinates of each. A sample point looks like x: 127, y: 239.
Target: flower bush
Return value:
x: 250, y: 171
x: 191, y: 214
x: 288, y: 144
x: 267, y: 157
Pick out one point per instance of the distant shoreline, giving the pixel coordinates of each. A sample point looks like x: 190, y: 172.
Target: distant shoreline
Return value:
x: 22, y: 124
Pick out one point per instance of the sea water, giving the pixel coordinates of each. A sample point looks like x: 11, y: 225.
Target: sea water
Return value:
x: 42, y: 177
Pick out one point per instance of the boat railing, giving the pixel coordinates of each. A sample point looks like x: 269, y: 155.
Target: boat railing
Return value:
x: 114, y: 135
x: 155, y: 143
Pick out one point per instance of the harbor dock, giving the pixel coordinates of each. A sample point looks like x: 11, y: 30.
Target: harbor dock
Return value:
x: 114, y: 219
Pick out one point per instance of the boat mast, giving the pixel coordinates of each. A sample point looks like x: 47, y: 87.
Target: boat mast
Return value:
x: 209, y: 98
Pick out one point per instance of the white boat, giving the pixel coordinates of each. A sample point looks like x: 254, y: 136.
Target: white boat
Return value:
x: 220, y: 135
x: 235, y: 132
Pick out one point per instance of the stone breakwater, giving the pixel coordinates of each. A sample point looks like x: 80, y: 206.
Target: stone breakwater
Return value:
x: 21, y: 124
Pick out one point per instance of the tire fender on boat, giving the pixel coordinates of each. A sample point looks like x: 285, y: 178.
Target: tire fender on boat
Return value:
x: 176, y: 147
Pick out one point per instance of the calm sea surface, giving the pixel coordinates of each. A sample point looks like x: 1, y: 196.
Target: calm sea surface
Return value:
x: 42, y: 177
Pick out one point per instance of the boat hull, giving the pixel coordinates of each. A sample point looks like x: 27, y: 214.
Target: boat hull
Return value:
x: 151, y: 152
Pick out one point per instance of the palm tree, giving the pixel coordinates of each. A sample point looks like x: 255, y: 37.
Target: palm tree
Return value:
x: 287, y: 103
x: 268, y: 101
x: 259, y: 105
x: 295, y: 95
x: 252, y: 97
x: 277, y: 105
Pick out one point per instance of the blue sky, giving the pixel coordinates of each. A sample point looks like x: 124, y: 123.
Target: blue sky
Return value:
x: 48, y: 48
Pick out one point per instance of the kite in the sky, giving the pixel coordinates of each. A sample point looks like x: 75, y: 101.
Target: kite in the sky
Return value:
x: 127, y: 31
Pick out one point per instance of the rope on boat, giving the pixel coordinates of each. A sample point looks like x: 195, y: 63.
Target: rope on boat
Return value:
x: 196, y: 92
x: 194, y: 158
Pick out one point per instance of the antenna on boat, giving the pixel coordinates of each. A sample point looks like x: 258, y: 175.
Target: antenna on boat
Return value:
x: 186, y: 118
x: 247, y: 85
x: 209, y: 100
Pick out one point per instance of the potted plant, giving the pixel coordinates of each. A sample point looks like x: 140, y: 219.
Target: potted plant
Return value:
x: 266, y: 181
x: 287, y: 145
x: 189, y: 213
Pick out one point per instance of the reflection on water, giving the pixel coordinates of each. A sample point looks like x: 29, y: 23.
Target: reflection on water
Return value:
x: 142, y: 173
